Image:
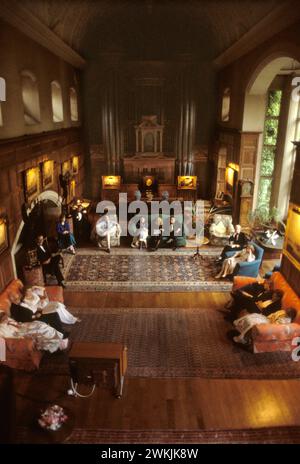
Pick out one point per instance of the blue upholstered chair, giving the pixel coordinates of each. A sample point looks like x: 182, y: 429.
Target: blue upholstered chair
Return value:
x: 245, y: 268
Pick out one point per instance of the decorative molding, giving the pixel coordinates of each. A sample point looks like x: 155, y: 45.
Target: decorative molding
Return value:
x: 276, y: 21
x: 18, y: 16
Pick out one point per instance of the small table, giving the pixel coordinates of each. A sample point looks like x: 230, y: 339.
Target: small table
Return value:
x: 271, y: 251
x: 99, y: 363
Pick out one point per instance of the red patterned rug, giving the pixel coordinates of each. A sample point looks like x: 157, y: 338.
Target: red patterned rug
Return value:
x: 141, y: 271
x: 174, y: 342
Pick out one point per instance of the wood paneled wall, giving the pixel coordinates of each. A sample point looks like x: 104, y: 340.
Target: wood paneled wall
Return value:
x: 21, y: 153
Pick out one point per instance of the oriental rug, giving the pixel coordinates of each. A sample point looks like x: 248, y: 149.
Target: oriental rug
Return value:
x: 173, y: 343
x: 143, y: 271
x: 289, y: 435
x: 94, y: 435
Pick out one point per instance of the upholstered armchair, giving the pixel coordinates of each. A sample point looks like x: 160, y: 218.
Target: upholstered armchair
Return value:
x: 221, y: 229
x: 114, y: 235
x: 250, y: 269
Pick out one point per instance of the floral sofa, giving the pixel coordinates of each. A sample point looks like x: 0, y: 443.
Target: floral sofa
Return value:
x: 21, y: 353
x: 274, y: 337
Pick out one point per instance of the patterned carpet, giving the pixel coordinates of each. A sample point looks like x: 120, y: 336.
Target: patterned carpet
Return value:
x: 93, y: 435
x: 184, y: 343
x: 143, y: 271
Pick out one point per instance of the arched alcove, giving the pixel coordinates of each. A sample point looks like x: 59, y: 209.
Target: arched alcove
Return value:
x: 73, y: 104
x: 2, y: 97
x: 30, y: 96
x: 53, y: 199
x: 57, y: 102
x: 225, y: 115
x: 270, y: 87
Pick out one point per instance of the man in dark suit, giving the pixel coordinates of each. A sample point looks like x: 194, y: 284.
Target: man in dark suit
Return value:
x: 237, y: 241
x: 257, y: 298
x: 50, y: 263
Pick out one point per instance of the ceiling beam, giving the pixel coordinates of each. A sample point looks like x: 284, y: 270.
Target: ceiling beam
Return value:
x: 277, y: 20
x: 18, y: 16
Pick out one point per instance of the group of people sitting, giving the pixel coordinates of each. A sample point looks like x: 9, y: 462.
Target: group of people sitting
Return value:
x: 153, y: 242
x: 33, y: 316
x: 257, y: 303
x: 238, y: 243
x: 106, y: 228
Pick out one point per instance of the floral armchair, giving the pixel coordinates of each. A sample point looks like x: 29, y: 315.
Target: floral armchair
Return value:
x: 221, y: 229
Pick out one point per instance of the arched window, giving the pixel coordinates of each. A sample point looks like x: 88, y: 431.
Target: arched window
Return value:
x: 226, y: 105
x: 30, y: 96
x: 57, y: 104
x: 73, y: 104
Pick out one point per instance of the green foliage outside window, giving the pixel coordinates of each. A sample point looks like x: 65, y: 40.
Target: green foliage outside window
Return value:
x: 271, y: 132
x: 269, y: 149
x: 274, y: 103
x: 264, y: 194
x: 267, y: 161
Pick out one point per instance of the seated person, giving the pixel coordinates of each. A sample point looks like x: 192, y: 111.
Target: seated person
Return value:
x: 45, y: 337
x: 49, y: 262
x: 21, y: 311
x: 107, y: 228
x: 36, y: 299
x: 174, y: 231
x: 266, y: 302
x: 140, y: 239
x: 250, y: 293
x: 229, y: 264
x: 245, y: 323
x: 156, y: 237
x: 237, y: 241
x: 65, y: 238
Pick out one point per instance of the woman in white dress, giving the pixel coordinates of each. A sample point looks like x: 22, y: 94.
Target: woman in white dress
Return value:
x: 105, y: 229
x: 140, y: 235
x: 45, y: 336
x: 228, y: 265
x: 36, y: 299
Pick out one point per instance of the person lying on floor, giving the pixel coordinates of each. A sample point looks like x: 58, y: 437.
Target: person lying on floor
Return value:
x: 45, y: 337
x: 20, y: 311
x: 245, y: 323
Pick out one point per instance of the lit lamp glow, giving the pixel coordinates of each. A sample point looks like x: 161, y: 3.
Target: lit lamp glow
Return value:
x: 3, y: 234
x: 75, y: 164
x: 111, y: 182
x: 230, y: 176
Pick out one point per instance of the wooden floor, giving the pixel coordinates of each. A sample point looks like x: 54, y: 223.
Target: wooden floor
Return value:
x: 165, y: 403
